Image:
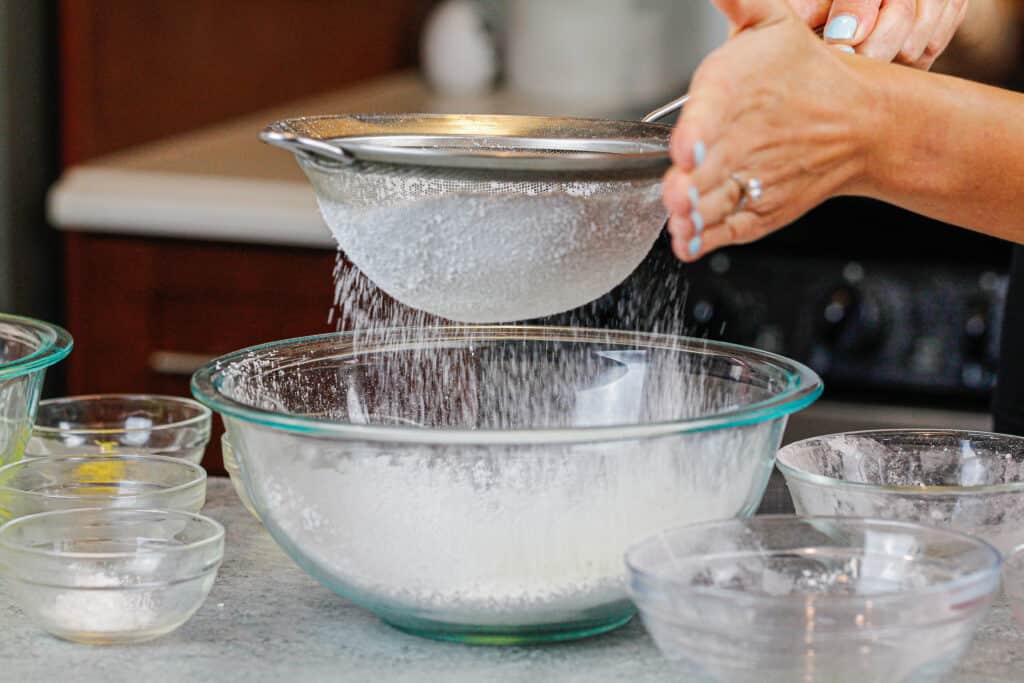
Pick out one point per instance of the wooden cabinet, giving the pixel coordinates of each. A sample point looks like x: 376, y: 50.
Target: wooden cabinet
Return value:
x: 134, y: 71
x: 144, y: 311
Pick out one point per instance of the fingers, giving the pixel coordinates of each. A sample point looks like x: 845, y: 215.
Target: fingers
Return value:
x: 896, y: 19
x: 693, y: 211
x: 738, y: 228
x: 811, y: 12
x: 851, y: 21
x: 928, y: 14
x: 950, y: 20
x: 702, y: 196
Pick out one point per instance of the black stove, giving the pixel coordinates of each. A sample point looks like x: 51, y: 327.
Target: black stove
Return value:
x: 888, y: 306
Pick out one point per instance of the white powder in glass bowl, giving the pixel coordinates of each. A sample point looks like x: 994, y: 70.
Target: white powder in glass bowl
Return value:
x: 102, y: 602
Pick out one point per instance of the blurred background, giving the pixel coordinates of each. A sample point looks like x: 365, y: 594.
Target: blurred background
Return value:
x: 138, y: 208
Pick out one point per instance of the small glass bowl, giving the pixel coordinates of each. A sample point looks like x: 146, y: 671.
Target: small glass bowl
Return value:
x: 231, y: 467
x: 109, y: 481
x: 117, y: 423
x: 110, y: 576
x: 782, y: 598
x: 967, y: 481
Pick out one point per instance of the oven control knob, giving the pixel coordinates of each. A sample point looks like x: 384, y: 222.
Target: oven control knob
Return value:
x: 852, y: 319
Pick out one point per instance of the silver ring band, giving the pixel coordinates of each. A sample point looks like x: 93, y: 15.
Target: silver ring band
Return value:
x: 750, y: 191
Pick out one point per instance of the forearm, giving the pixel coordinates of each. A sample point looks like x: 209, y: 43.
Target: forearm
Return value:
x: 946, y: 148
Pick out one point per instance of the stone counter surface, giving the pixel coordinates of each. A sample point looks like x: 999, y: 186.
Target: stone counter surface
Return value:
x: 267, y: 621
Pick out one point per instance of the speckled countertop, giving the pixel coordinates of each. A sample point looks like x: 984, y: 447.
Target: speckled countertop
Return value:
x: 267, y: 621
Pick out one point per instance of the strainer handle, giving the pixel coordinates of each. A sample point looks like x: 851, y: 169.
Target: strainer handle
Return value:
x: 666, y: 109
x: 316, y: 150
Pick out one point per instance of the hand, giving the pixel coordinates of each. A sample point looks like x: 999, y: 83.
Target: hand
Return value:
x: 773, y: 103
x: 912, y: 32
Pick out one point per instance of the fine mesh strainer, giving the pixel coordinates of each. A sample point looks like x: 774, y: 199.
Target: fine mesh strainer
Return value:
x: 487, y: 218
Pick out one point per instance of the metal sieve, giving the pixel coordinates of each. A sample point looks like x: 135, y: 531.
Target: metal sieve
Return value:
x: 487, y: 218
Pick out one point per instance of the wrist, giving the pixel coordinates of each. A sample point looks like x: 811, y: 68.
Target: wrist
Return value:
x: 868, y: 121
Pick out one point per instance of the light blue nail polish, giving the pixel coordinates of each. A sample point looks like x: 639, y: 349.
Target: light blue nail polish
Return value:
x: 695, y: 245
x: 694, y: 196
x: 699, y: 152
x: 842, y: 27
x: 846, y: 48
x: 698, y: 221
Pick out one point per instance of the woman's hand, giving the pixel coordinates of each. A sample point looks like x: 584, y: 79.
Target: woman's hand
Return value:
x: 912, y: 32
x: 776, y: 104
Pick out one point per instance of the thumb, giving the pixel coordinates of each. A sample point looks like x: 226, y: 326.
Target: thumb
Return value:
x: 744, y: 14
x: 851, y: 21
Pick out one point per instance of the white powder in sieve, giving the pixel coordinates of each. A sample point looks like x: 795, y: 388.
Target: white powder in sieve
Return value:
x: 477, y: 251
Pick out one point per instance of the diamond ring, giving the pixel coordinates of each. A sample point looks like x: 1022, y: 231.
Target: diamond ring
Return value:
x: 750, y: 191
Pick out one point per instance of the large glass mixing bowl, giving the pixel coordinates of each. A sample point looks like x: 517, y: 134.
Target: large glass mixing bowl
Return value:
x: 481, y: 483
x: 27, y: 348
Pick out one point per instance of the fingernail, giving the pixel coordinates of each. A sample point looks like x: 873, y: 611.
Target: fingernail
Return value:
x: 845, y: 48
x: 842, y: 27
x: 698, y: 221
x: 695, y: 245
x: 699, y: 152
x: 694, y: 196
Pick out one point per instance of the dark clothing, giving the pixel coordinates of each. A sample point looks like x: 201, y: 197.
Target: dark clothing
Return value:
x: 1008, y: 407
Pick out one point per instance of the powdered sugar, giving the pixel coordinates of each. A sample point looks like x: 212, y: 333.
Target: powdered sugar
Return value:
x: 103, y: 611
x: 477, y: 250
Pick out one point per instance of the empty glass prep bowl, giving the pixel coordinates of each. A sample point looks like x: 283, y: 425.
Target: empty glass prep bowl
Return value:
x: 777, y: 599
x: 969, y: 481
x: 119, y: 423
x: 110, y: 576
x: 115, y: 481
x: 27, y: 348
x: 480, y: 483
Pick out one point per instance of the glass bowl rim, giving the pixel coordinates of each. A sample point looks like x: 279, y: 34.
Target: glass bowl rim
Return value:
x: 199, y: 477
x: 205, y: 414
x: 803, y: 388
x: 215, y: 534
x: 55, y: 345
x: 991, y: 570
x: 816, y: 479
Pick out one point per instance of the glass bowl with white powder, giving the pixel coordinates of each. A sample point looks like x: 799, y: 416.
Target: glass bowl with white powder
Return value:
x: 110, y: 576
x: 964, y: 480
x: 779, y: 598
x: 115, y: 481
x: 480, y: 483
